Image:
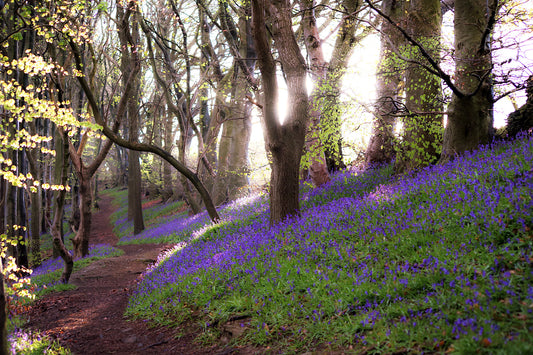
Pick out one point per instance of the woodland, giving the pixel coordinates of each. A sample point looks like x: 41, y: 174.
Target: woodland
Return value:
x: 350, y: 176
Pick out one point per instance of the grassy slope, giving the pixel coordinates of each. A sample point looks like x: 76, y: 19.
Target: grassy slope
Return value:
x: 440, y: 261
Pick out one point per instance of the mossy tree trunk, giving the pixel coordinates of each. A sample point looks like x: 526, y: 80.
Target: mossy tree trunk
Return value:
x: 423, y: 122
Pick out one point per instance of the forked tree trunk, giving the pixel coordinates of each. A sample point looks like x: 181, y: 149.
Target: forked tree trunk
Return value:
x: 470, y: 116
x: 233, y: 165
x: 284, y: 141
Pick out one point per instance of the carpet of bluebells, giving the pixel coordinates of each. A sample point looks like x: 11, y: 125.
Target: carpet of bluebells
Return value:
x: 437, y: 261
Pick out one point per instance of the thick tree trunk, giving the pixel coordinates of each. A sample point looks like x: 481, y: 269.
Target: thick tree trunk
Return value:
x: 388, y: 79
x: 284, y: 181
x: 470, y: 116
x: 422, y: 137
x: 284, y: 141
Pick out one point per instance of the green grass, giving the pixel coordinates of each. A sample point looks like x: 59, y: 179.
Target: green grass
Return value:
x: 439, y: 262
x: 152, y: 216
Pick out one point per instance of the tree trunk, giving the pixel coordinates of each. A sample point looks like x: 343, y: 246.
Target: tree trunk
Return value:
x: 81, y: 241
x: 35, y: 211
x: 21, y: 221
x: 134, y: 167
x: 168, y: 135
x: 284, y: 141
x: 4, y: 343
x: 56, y: 177
x: 422, y: 137
x: 316, y: 160
x: 134, y: 192
x: 470, y: 116
x: 60, y: 178
x: 233, y: 164
x: 388, y: 79
x: 284, y: 181
x: 342, y: 51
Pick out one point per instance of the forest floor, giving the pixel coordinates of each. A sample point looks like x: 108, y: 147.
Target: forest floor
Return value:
x: 89, y: 319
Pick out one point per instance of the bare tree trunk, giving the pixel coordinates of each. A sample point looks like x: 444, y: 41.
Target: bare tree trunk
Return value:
x: 285, y: 141
x: 233, y: 164
x: 131, y: 28
x: 60, y: 178
x: 388, y: 79
x: 4, y: 343
x: 470, y: 116
x: 168, y: 138
x: 318, y: 169
x: 35, y: 210
x: 81, y: 241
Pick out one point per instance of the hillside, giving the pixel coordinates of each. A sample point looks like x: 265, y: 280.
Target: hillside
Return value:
x: 438, y: 261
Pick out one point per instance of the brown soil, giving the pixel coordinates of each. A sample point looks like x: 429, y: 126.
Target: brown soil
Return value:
x: 89, y: 320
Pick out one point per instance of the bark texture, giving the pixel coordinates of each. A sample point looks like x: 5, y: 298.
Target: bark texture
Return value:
x: 131, y: 29
x: 470, y: 114
x: 388, y: 80
x: 60, y: 178
x: 233, y: 165
x: 284, y: 141
x: 316, y: 159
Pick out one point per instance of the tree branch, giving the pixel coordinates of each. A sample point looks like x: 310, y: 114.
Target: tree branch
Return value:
x: 112, y: 136
x: 447, y: 79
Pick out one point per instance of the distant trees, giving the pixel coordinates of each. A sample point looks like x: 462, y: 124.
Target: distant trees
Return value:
x: 412, y: 89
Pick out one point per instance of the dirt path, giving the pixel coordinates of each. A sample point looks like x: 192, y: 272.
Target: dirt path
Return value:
x: 89, y: 320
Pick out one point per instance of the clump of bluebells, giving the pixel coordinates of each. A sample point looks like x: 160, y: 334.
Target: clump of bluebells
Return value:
x: 24, y: 342
x: 437, y: 261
